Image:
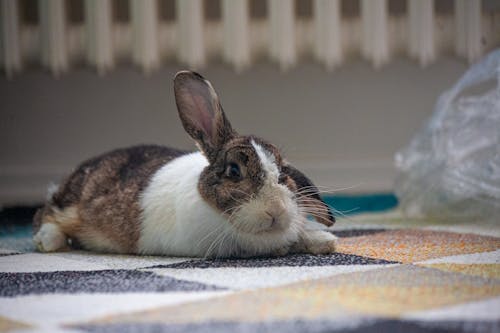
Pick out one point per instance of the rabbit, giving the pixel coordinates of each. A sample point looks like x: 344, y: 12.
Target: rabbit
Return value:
x: 235, y: 197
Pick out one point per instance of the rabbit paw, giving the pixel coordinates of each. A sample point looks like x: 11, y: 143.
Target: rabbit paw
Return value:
x: 281, y: 251
x: 317, y: 242
x: 50, y: 238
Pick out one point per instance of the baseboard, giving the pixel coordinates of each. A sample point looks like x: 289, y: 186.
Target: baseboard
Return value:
x: 24, y: 184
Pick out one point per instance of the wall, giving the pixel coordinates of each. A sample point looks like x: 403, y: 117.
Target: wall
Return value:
x: 342, y: 128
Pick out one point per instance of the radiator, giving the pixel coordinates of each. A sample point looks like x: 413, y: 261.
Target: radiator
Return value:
x: 146, y: 40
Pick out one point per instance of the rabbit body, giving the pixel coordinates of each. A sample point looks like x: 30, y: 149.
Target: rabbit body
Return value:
x: 236, y: 197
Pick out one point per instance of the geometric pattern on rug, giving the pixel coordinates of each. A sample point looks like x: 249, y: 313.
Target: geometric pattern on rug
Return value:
x: 484, y: 270
x: 293, y: 260
x: 105, y: 281
x: 7, y: 325
x: 381, y: 280
x: 303, y: 326
x: 387, y: 292
x: 409, y: 246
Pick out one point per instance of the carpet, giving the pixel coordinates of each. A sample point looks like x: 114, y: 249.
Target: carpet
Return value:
x: 391, y: 274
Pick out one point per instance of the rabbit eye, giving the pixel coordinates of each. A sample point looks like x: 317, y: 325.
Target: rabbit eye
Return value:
x: 233, y: 171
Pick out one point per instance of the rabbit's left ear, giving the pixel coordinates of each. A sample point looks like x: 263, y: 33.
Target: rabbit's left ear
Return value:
x: 308, y: 196
x: 201, y: 113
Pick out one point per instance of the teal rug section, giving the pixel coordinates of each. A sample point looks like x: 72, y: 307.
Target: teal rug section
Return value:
x: 16, y: 222
x: 10, y: 230
x: 361, y: 203
x: 16, y: 229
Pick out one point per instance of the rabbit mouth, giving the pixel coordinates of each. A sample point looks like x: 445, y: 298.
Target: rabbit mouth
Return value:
x: 264, y: 218
x: 263, y: 225
x: 273, y: 223
x: 271, y: 227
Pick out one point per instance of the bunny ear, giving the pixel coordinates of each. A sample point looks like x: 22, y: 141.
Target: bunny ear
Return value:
x: 201, y: 113
x: 309, y: 196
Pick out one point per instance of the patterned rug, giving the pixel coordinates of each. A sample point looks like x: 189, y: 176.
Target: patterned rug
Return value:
x: 390, y: 275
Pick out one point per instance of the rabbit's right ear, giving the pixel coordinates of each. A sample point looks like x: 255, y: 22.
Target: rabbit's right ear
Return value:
x: 201, y: 113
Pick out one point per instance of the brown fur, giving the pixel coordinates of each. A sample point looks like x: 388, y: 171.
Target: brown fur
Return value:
x: 104, y: 194
x: 226, y: 194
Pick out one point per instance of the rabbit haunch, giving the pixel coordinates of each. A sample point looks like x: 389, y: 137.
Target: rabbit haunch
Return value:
x: 98, y: 206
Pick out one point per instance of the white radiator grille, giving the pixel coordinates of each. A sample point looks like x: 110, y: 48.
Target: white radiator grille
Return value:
x: 147, y: 40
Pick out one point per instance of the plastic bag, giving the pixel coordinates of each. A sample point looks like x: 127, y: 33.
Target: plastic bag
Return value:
x: 451, y: 168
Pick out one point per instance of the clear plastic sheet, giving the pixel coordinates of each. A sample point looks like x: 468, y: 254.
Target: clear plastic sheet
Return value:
x: 451, y: 168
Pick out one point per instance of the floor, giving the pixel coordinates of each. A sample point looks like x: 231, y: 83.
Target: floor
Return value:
x: 390, y: 274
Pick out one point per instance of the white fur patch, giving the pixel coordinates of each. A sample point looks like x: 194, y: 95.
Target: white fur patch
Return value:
x: 51, y: 190
x: 49, y: 238
x: 175, y: 217
x: 267, y: 161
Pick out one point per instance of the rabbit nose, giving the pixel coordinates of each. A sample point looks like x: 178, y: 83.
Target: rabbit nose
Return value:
x: 273, y: 219
x: 275, y: 210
